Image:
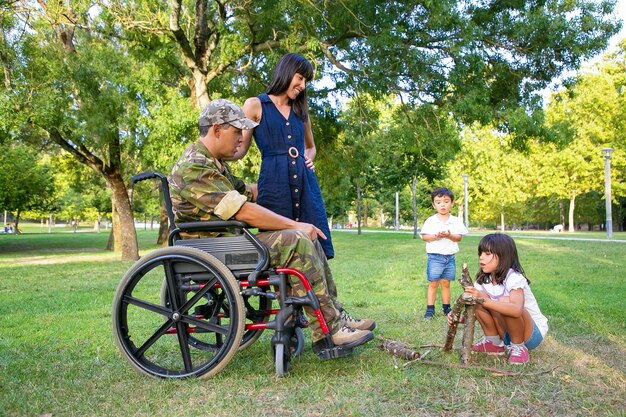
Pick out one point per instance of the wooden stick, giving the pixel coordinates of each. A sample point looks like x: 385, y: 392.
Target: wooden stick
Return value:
x: 399, y: 349
x: 455, y: 316
x: 468, y: 333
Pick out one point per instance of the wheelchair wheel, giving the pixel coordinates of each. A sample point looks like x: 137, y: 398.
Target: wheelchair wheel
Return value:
x: 281, y: 359
x: 202, y: 306
x: 255, y: 306
x: 297, y: 342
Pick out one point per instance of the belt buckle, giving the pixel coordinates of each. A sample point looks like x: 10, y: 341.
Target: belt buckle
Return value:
x: 293, y: 152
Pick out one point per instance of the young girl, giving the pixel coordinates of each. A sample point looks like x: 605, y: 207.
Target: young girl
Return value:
x: 510, y: 315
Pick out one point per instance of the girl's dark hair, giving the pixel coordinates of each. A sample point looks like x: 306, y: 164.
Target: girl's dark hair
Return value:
x: 288, y: 66
x: 504, y: 248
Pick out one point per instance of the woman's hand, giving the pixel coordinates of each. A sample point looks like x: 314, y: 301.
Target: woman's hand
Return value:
x: 309, y: 163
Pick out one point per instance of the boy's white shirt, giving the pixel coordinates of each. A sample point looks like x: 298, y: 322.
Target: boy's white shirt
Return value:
x: 515, y: 280
x: 434, y: 225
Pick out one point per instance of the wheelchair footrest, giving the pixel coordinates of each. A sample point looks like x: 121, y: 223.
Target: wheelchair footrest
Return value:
x: 334, y: 352
x: 326, y: 349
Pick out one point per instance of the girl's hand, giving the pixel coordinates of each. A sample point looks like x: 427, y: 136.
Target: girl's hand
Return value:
x: 309, y: 163
x: 449, y: 317
x: 473, y: 292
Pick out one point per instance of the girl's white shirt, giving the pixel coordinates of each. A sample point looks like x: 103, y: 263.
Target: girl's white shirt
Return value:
x: 515, y: 280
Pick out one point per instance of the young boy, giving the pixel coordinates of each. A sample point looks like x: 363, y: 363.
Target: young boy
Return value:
x: 441, y: 232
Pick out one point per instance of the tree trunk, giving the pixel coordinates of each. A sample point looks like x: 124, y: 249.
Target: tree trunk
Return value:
x: 200, y: 97
x: 365, y: 212
x: 109, y: 245
x: 572, y: 204
x: 502, y: 219
x: 561, y: 213
x: 125, y: 238
x: 17, y: 223
x: 414, y: 198
x: 358, y: 207
x: 163, y: 226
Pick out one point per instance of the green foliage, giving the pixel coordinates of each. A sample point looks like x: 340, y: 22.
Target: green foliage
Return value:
x: 25, y: 182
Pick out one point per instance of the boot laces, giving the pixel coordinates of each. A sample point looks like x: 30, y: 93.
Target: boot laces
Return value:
x: 348, y: 318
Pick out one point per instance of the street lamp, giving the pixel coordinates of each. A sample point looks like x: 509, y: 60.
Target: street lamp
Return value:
x: 465, y: 215
x: 607, y: 191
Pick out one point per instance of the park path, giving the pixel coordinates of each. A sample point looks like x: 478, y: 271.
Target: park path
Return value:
x: 410, y: 232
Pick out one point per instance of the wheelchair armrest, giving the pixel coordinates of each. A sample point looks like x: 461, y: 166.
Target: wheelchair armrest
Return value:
x: 212, y: 226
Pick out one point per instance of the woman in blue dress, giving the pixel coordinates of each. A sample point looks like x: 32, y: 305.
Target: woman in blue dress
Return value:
x: 287, y: 182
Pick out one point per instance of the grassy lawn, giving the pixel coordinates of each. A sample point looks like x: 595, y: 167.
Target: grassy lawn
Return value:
x: 58, y: 358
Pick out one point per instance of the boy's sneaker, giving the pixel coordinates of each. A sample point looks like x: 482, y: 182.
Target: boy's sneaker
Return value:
x: 429, y: 314
x: 446, y: 311
x: 357, y: 324
x: 488, y: 347
x: 518, y: 355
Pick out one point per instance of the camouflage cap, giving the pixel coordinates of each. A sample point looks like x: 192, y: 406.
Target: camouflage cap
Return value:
x: 222, y: 111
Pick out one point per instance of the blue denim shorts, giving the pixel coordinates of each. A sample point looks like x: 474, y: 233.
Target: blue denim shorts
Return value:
x: 440, y: 267
x: 533, y: 341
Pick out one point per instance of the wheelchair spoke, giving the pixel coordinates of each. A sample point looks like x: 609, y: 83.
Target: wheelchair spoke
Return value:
x: 156, y: 336
x: 170, y: 279
x: 183, y: 342
x: 211, y: 327
x: 146, y: 305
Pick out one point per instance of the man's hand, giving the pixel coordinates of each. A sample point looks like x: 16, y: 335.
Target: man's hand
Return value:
x: 310, y: 230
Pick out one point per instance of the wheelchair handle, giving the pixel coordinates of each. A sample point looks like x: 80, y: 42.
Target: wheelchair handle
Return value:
x: 165, y: 187
x: 146, y: 176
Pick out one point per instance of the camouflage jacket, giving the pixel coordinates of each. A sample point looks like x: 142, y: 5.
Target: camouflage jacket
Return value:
x: 202, y: 188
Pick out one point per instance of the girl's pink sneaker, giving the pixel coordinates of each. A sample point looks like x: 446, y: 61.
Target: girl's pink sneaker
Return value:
x: 488, y: 347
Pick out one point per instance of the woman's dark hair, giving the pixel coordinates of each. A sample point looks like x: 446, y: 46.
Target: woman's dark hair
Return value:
x: 288, y: 66
x: 504, y: 248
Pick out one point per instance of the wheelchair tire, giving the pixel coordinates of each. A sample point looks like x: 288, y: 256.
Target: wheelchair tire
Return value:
x: 297, y: 342
x: 281, y: 359
x: 155, y: 336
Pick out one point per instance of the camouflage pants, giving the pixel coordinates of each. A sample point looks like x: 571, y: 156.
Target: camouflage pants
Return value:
x: 294, y: 249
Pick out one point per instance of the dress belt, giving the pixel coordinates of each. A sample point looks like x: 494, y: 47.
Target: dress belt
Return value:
x: 292, y: 152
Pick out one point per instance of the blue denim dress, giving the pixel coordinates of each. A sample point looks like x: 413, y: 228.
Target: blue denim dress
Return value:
x: 286, y: 185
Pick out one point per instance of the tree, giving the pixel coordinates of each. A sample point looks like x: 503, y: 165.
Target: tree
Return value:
x: 87, y: 77
x: 485, y: 59
x: 25, y: 182
x: 501, y: 177
x: 592, y: 110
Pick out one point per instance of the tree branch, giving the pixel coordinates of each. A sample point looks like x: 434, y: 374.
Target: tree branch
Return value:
x: 179, y: 35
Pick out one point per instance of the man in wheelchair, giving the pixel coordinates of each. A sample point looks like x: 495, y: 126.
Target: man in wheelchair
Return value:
x: 202, y: 188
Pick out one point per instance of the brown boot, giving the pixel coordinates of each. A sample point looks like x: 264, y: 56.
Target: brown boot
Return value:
x: 357, y: 324
x: 348, y: 337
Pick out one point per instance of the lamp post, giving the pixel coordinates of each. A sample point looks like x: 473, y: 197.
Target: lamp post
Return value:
x: 607, y: 191
x: 465, y: 209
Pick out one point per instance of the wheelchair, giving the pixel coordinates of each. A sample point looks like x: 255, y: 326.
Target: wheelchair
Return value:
x: 185, y: 310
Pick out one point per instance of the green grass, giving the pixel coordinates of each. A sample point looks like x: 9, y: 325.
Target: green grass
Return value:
x: 58, y: 358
